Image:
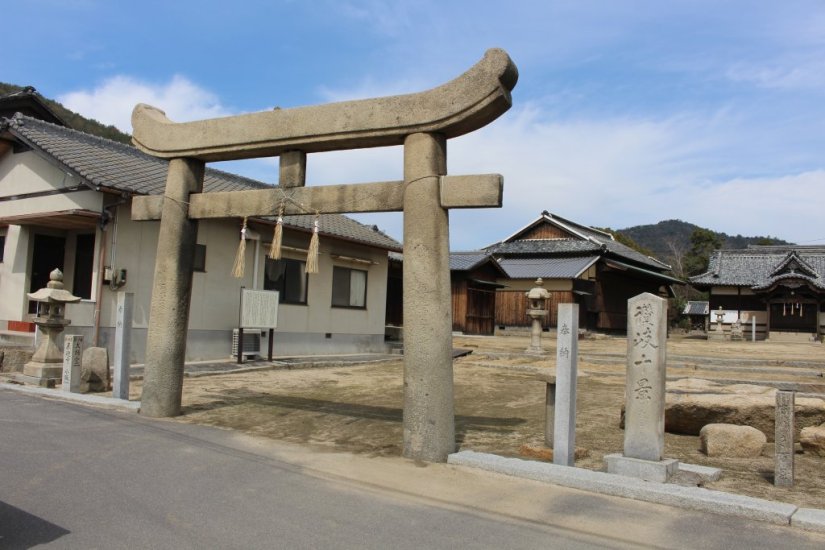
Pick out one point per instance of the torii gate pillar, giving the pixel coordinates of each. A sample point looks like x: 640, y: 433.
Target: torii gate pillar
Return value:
x: 171, y: 291
x: 429, y: 426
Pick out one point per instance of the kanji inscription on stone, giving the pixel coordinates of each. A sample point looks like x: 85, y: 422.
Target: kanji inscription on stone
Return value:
x: 645, y: 386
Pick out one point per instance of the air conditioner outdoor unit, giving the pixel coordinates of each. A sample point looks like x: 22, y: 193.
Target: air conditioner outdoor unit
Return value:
x: 251, y: 343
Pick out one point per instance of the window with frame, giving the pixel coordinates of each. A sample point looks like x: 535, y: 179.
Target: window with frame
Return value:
x: 349, y: 287
x: 289, y: 278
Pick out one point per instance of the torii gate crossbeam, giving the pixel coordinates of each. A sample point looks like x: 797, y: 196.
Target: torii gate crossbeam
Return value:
x: 422, y: 123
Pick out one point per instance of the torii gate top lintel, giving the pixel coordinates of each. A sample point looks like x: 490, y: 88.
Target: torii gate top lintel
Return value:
x: 460, y: 106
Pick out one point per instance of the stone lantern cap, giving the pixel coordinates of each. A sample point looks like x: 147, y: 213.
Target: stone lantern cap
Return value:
x: 537, y: 292
x: 54, y: 291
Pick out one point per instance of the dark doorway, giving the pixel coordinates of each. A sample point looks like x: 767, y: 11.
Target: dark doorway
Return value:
x: 481, y: 311
x: 83, y: 266
x: 794, y: 317
x: 47, y: 255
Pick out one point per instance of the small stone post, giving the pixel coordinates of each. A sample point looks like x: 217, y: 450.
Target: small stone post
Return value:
x: 753, y: 328
x: 72, y: 353
x: 567, y: 359
x: 123, y: 344
x: 784, y: 438
x: 644, y: 430
x: 549, y: 410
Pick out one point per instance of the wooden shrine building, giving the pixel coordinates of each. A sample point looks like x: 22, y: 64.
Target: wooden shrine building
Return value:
x: 578, y: 264
x: 782, y: 288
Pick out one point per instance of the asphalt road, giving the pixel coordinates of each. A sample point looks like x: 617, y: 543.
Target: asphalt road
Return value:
x: 79, y: 477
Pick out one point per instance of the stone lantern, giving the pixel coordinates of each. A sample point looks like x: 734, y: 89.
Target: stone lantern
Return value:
x: 47, y: 362
x: 718, y: 333
x: 537, y: 310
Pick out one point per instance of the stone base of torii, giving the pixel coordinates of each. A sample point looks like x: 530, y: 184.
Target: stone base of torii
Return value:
x: 422, y: 123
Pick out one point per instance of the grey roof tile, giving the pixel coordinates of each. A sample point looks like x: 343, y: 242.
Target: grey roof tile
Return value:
x: 546, y: 268
x: 465, y: 261
x: 574, y: 246
x: 108, y: 164
x: 696, y: 308
x: 756, y: 266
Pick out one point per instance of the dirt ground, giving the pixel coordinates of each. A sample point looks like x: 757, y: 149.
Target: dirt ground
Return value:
x: 499, y: 405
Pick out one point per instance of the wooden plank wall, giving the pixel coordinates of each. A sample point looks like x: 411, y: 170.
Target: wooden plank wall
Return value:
x: 511, y: 308
x: 546, y: 231
x: 459, y: 299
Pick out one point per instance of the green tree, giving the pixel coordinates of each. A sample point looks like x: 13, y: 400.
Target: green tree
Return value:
x: 626, y: 240
x: 702, y: 243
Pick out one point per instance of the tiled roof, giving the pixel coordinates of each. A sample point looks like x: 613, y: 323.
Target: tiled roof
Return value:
x: 465, y: 261
x: 574, y: 246
x: 103, y: 163
x: 757, y: 266
x: 696, y: 308
x: 547, y: 268
x: 345, y: 227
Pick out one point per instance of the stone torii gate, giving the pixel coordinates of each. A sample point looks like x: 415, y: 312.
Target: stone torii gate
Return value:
x: 422, y: 123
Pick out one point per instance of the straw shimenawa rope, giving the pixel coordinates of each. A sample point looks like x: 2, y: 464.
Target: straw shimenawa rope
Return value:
x: 312, y: 253
x: 278, y: 237
x: 240, y: 257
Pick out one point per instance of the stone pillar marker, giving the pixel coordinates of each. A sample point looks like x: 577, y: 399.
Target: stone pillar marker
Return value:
x: 567, y: 360
x: 784, y: 439
x: 644, y: 430
x: 123, y: 345
x: 72, y: 354
x: 423, y: 122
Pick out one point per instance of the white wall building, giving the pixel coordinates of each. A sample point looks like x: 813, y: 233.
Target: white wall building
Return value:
x: 65, y: 199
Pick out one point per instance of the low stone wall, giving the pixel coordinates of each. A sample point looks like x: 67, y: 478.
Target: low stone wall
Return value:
x: 12, y: 358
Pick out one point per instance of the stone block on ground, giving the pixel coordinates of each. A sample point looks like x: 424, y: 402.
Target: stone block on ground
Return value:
x: 812, y: 439
x: 546, y: 453
x: 729, y: 440
x: 692, y: 403
x: 94, y: 375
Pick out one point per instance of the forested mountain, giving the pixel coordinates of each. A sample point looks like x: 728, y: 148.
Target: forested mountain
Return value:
x: 73, y: 119
x: 668, y: 237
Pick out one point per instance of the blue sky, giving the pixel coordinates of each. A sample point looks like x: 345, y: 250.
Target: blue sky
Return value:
x: 626, y: 112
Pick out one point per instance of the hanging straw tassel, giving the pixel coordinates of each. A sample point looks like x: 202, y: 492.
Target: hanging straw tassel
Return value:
x: 312, y: 253
x: 240, y: 257
x: 278, y: 237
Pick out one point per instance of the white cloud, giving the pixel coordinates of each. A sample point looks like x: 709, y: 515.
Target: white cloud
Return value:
x: 605, y: 171
x: 781, y: 74
x: 112, y: 101
x: 609, y: 172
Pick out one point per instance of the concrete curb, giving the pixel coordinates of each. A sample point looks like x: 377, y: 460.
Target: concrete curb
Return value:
x: 694, y: 498
x: 811, y: 519
x: 88, y: 399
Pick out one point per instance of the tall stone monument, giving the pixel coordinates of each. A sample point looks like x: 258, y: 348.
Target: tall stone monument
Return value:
x: 567, y: 360
x: 644, y: 430
x: 422, y: 123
